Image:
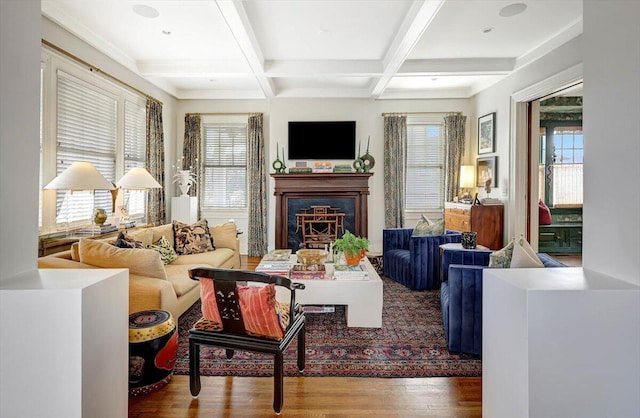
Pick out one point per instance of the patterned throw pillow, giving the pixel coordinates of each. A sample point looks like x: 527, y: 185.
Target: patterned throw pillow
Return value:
x: 262, y: 315
x: 192, y: 239
x: 126, y: 241
x: 164, y: 247
x: 428, y: 227
x: 502, y: 258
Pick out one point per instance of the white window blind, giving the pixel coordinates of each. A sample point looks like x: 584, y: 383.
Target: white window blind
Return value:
x: 225, y: 166
x: 135, y: 149
x: 424, y: 188
x: 86, y: 131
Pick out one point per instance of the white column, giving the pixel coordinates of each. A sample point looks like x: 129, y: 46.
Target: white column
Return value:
x: 64, y: 344
x: 559, y: 342
x: 184, y: 209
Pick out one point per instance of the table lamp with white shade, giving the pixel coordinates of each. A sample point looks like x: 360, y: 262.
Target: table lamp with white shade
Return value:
x: 467, y: 181
x: 137, y: 179
x: 80, y: 176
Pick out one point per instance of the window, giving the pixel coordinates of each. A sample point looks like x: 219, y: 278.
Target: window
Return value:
x: 225, y: 166
x: 562, y: 158
x: 86, y: 131
x: 424, y: 188
x: 135, y: 150
x: 85, y: 117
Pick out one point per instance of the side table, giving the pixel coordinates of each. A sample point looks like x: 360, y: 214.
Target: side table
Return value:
x: 456, y: 247
x: 153, y: 349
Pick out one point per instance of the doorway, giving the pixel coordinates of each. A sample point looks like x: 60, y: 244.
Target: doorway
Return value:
x: 555, y: 161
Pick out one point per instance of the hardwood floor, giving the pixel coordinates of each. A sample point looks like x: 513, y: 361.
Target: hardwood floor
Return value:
x: 314, y: 396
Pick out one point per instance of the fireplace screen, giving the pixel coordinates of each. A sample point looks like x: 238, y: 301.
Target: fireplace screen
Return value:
x: 319, y: 225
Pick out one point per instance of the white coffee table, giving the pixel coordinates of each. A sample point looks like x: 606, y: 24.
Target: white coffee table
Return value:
x: 362, y: 298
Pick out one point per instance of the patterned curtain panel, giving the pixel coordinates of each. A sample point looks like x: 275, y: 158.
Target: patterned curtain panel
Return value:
x: 454, y: 139
x: 257, y: 187
x: 156, y: 209
x: 192, y: 150
x: 395, y: 160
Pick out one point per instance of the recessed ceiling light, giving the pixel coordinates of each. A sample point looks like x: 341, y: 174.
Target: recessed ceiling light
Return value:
x: 488, y: 29
x: 166, y: 32
x: 145, y: 11
x: 323, y: 31
x: 434, y: 79
x: 513, y: 9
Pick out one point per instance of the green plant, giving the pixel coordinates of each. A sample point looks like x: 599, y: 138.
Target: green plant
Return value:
x: 350, y: 244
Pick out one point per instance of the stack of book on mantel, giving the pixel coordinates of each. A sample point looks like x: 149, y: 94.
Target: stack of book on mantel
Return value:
x: 308, y: 272
x: 344, y: 272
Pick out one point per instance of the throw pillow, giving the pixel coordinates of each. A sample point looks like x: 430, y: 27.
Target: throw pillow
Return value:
x: 258, y: 307
x: 209, y: 305
x: 165, y: 249
x: 141, y: 262
x: 502, y: 258
x: 125, y: 241
x: 262, y: 315
x: 192, y: 239
x: 428, y: 227
x: 544, y: 213
x: 224, y: 235
x: 524, y: 256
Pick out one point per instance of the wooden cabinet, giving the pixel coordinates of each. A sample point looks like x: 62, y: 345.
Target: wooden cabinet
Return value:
x: 560, y: 238
x: 486, y: 220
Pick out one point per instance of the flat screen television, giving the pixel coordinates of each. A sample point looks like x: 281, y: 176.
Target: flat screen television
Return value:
x: 332, y: 140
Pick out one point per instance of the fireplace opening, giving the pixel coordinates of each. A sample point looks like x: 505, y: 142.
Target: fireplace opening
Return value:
x: 314, y: 222
x: 319, y: 226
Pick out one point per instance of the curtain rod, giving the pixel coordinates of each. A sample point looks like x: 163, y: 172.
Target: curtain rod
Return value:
x: 419, y: 113
x: 218, y: 113
x: 95, y: 69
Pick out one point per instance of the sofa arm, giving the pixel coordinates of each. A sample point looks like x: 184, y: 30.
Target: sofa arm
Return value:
x: 396, y: 238
x: 424, y: 256
x: 151, y: 293
x: 461, y: 299
x: 465, y: 257
x: 52, y: 262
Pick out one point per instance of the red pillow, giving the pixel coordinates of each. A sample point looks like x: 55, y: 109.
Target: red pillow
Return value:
x: 258, y: 307
x: 209, y: 304
x: 544, y: 213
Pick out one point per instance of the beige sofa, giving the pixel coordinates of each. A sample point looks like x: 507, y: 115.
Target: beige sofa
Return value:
x: 153, y: 285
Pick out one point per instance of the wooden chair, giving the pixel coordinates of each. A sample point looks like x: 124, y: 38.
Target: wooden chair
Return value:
x: 233, y: 335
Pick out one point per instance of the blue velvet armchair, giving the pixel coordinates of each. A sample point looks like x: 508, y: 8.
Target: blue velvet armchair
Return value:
x: 461, y: 297
x: 414, y: 261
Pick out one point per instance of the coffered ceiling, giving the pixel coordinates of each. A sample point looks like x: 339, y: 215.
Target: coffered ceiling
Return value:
x: 206, y: 49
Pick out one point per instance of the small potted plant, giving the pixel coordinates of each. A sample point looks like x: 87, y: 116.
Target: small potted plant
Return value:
x: 352, y: 247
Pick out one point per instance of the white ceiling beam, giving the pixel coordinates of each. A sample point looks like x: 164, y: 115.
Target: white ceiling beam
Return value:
x: 452, y: 93
x: 312, y: 68
x: 419, y: 17
x: 238, y: 22
x: 332, y: 92
x: 457, y: 66
x: 194, y: 68
x: 561, y: 37
x: 210, y: 94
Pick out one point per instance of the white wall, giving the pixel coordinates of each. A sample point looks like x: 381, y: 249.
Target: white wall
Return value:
x: 612, y: 139
x: 19, y: 133
x: 369, y: 122
x: 60, y: 37
x: 498, y: 99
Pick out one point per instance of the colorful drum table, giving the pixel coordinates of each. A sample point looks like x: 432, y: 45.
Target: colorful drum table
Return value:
x: 153, y: 347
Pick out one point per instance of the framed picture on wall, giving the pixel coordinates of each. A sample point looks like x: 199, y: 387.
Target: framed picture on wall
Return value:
x: 486, y: 133
x: 486, y: 169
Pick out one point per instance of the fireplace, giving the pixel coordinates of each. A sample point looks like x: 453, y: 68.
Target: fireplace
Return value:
x: 345, y: 192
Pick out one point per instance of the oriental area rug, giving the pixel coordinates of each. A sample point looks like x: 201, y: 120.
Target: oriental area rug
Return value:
x: 411, y: 343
